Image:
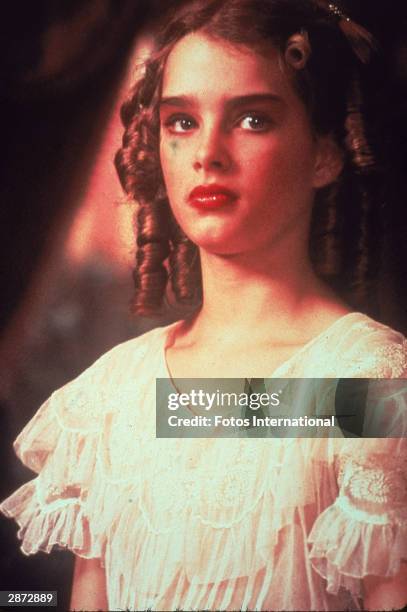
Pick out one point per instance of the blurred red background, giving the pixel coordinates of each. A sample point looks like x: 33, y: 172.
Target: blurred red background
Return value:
x: 67, y: 242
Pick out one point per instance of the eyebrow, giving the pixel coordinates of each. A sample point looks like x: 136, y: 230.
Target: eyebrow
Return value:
x: 231, y: 103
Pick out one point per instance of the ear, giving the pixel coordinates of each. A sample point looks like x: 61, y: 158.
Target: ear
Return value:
x: 328, y: 163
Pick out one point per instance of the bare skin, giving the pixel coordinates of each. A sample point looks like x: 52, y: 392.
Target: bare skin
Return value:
x: 89, y: 586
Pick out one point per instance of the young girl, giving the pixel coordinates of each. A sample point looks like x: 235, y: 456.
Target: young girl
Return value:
x: 244, y: 149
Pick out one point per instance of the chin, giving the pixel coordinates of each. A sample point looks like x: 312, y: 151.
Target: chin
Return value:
x: 219, y: 247
x: 220, y: 239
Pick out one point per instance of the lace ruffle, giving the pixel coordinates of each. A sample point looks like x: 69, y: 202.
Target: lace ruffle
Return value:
x: 345, y: 549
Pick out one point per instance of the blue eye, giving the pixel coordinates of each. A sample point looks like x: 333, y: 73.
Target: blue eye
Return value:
x: 180, y: 124
x: 255, y: 122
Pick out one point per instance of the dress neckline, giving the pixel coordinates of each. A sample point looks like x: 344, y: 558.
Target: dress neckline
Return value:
x: 165, y: 334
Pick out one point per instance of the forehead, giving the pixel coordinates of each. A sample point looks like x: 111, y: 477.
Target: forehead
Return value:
x: 200, y: 64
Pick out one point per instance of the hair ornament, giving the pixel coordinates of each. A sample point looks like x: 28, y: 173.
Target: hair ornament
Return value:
x: 337, y: 11
x: 298, y: 50
x: 361, y: 41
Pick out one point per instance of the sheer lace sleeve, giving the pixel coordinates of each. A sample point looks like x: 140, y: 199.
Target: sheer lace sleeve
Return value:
x: 365, y: 531
x: 60, y: 444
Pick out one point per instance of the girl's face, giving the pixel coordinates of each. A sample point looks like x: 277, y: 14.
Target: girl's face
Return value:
x: 230, y: 118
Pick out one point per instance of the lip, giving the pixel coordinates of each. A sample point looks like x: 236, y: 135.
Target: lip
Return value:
x: 212, y: 196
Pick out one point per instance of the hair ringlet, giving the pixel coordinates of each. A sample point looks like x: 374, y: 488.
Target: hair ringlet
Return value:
x: 298, y: 50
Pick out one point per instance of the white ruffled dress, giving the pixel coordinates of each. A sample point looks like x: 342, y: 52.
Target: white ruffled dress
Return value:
x: 217, y: 524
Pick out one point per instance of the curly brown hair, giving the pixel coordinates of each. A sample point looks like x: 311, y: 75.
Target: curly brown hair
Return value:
x: 345, y: 226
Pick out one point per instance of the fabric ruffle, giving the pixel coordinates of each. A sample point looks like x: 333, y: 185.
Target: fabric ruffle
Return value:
x: 346, y: 548
x: 42, y: 527
x: 60, y: 444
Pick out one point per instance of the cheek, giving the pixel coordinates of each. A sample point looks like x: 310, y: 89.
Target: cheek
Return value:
x: 285, y: 164
x: 174, y: 166
x: 172, y: 159
x: 267, y: 168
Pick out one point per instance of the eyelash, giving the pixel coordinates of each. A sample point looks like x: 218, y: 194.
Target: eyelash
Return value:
x: 172, y: 120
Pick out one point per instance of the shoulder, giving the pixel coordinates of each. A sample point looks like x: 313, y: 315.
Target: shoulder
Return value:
x: 364, y: 347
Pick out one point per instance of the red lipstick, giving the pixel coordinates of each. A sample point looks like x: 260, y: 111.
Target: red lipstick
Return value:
x: 211, y: 196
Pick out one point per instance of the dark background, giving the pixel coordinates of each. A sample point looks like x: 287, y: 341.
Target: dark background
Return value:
x: 60, y: 64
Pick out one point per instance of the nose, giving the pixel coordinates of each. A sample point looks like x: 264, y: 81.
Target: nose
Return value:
x: 212, y: 152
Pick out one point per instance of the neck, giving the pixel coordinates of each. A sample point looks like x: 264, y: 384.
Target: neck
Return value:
x: 254, y: 293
